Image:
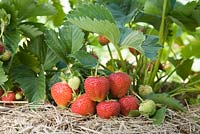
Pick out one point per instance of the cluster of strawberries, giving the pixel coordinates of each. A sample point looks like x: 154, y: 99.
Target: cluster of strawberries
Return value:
x: 94, y: 100
x: 11, y: 95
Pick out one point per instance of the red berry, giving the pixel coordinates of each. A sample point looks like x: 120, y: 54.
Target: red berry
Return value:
x: 134, y: 51
x: 96, y: 87
x: 103, y: 40
x: 61, y: 93
x: 1, y: 47
x: 128, y: 103
x: 9, y: 96
x: 119, y: 84
x: 83, y: 105
x: 108, y: 109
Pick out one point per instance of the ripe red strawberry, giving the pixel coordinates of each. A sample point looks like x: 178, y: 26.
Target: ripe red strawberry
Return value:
x: 61, y: 93
x: 108, y: 109
x: 133, y: 51
x: 128, y: 103
x: 9, y: 96
x: 83, y: 105
x: 103, y: 40
x: 1, y: 47
x: 119, y: 84
x: 1, y: 92
x: 96, y: 87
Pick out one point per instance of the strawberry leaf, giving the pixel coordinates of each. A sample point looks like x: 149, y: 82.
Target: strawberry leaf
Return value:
x: 11, y: 39
x: 134, y: 113
x: 151, y: 47
x: 32, y: 8
x: 92, y: 11
x: 68, y: 40
x: 134, y: 39
x: 58, y: 18
x: 102, y: 27
x: 86, y: 59
x: 3, y: 76
x: 166, y: 100
x: 30, y: 60
x: 33, y: 85
x: 72, y: 37
x: 159, y: 116
x: 30, y: 30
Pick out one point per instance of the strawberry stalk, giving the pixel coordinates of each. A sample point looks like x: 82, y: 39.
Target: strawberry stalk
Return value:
x: 162, y: 40
x: 137, y: 95
x: 121, y: 58
x: 111, y: 56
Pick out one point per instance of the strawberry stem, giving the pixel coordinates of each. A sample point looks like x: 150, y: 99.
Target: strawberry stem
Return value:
x: 137, y: 96
x: 111, y: 56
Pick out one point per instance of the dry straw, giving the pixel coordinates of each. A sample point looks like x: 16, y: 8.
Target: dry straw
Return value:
x: 47, y: 119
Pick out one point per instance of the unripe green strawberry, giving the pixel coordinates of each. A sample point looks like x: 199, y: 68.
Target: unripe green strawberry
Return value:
x: 96, y: 87
x: 61, y: 93
x: 147, y: 108
x: 108, y: 109
x: 120, y: 83
x: 144, y: 90
x: 74, y: 82
x: 128, y: 103
x: 6, y: 55
x: 103, y: 40
x: 83, y: 105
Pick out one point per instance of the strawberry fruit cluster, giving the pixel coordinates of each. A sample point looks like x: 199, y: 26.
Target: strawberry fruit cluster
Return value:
x: 95, y: 96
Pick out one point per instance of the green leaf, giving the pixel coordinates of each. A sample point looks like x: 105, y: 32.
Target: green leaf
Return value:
x: 30, y: 60
x: 72, y: 37
x: 86, y: 59
x: 191, y: 50
x: 184, y: 70
x: 187, y: 16
x: 44, y: 54
x: 123, y: 11
x: 50, y: 59
x: 32, y: 8
x: 153, y: 7
x: 151, y: 47
x: 186, y: 90
x: 68, y: 40
x: 159, y: 116
x: 33, y: 85
x: 30, y: 30
x: 148, y: 18
x: 53, y: 42
x: 166, y: 100
x: 58, y: 18
x: 134, y: 113
x: 11, y: 40
x: 134, y: 39
x: 92, y: 11
x: 3, y: 76
x: 102, y: 27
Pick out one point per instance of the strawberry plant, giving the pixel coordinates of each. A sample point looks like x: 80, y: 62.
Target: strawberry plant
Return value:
x: 144, y: 48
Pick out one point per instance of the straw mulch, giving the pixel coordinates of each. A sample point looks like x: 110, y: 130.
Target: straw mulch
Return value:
x: 48, y: 119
